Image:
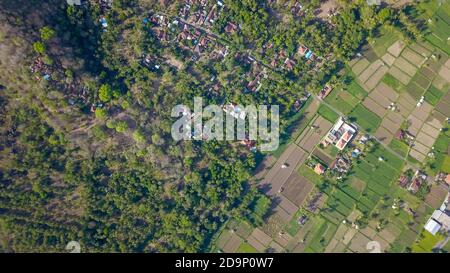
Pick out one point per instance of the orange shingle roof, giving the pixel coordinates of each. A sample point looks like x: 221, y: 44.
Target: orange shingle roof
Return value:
x: 319, y: 169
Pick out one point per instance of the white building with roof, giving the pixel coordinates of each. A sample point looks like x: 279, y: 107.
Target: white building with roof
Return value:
x: 74, y: 2
x: 432, y: 226
x: 440, y: 219
x: 341, y: 134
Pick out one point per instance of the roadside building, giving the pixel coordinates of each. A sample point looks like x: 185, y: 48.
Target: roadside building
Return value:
x: 326, y: 90
x: 340, y: 135
x: 440, y: 219
x: 319, y: 169
x: 432, y: 226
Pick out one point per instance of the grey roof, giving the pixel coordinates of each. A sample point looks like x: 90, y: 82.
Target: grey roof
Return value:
x: 373, y: 2
x: 74, y: 2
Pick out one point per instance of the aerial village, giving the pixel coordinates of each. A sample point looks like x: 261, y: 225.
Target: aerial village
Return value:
x: 368, y: 166
x: 353, y: 174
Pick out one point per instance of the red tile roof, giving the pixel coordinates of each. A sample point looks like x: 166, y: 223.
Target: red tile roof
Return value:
x: 319, y: 169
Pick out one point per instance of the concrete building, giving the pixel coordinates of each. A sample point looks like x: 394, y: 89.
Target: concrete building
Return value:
x: 432, y: 226
x: 340, y: 135
x: 74, y: 2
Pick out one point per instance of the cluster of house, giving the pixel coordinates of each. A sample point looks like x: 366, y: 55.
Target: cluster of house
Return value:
x: 297, y: 9
x: 443, y: 178
x: 105, y: 5
x: 300, y: 102
x: 96, y: 105
x: 288, y: 63
x: 314, y: 202
x: 186, y: 35
x: 161, y: 25
x: 231, y: 28
x: 303, y: 51
x: 316, y: 164
x: 341, y: 165
x: 250, y: 144
x: 440, y: 219
x: 256, y: 74
x: 38, y: 66
x: 234, y: 110
x: 203, y: 14
x: 80, y: 95
x: 152, y: 63
x: 326, y: 90
x: 319, y: 168
x: 340, y: 134
x: 412, y: 182
x: 198, y: 131
x: 405, y: 136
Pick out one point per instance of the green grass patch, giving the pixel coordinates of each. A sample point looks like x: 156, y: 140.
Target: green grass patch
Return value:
x: 349, y: 190
x: 365, y: 118
x: 427, y: 8
x: 439, y: 27
x: 261, y: 207
x: 414, y: 90
x: 391, y: 81
x: 433, y: 95
x: 426, y: 242
x: 346, y: 199
x: 438, y: 30
x: 356, y: 90
x: 443, y: 16
x: 447, y: 247
x: 441, y: 160
x: 436, y: 41
x: 442, y: 142
x: 389, y: 158
x: 365, y: 205
x: 331, y: 150
x: 334, y: 203
x: 309, y: 174
x: 333, y: 216
x: 342, y: 101
x: 400, y: 147
x: 293, y: 227
x: 327, y: 113
x: 297, y: 123
x: 446, y: 165
x: 386, y: 38
x: 371, y: 195
x: 323, y: 236
x: 246, y: 248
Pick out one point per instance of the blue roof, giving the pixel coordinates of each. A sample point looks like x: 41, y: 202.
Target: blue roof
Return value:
x: 308, y: 54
